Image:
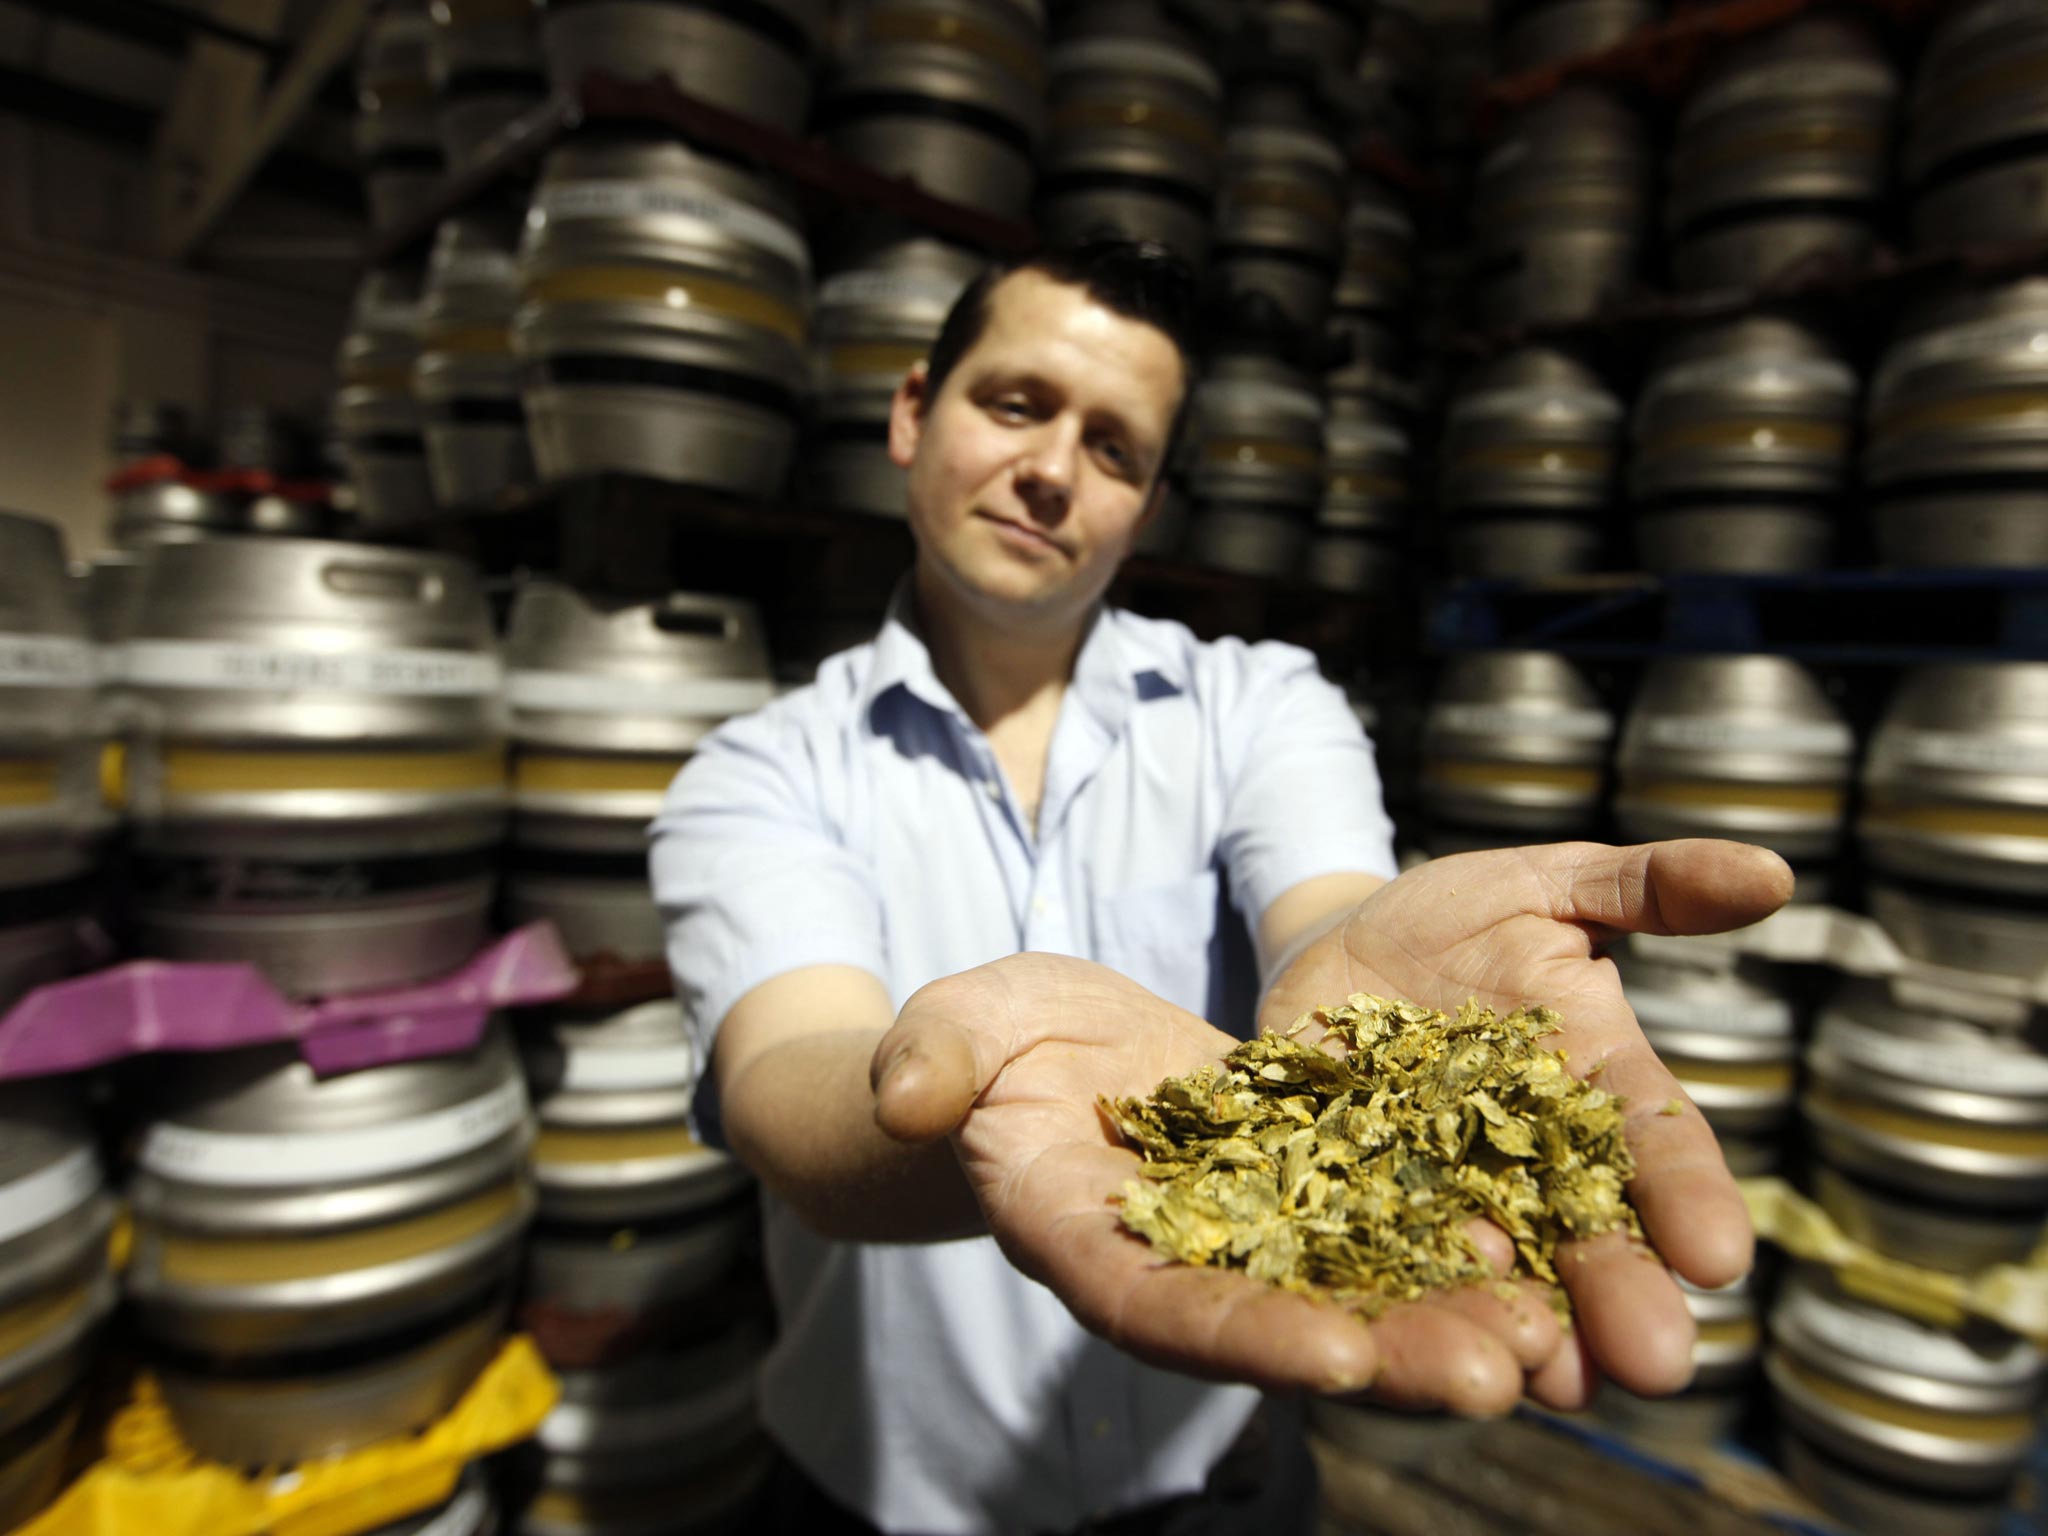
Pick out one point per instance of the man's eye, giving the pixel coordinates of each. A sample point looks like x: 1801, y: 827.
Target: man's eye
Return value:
x: 1010, y: 410
x: 1115, y: 455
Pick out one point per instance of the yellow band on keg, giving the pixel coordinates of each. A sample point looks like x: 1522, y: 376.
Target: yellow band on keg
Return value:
x: 27, y: 781
x: 386, y: 379
x: 1806, y: 436
x: 1739, y: 1330
x: 1143, y: 116
x: 873, y: 357
x: 195, y: 771
x: 25, y: 1322
x: 1294, y: 196
x: 469, y: 340
x: 1503, y: 775
x: 1954, y: 820
x: 1550, y: 458
x: 897, y: 27
x: 672, y: 289
x: 555, y: 1145
x: 549, y: 773
x: 1799, y: 139
x: 1260, y: 451
x: 2007, y: 1141
x: 114, y: 775
x: 1733, y: 1074
x: 2011, y: 409
x: 1366, y: 485
x: 1987, y: 1427
x: 187, y: 1260
x: 1814, y: 799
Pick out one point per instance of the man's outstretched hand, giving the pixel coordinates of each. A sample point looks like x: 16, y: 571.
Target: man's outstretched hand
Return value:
x: 1009, y: 1059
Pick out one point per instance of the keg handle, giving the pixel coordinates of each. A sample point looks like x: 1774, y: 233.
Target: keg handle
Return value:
x: 382, y: 582
x: 674, y: 615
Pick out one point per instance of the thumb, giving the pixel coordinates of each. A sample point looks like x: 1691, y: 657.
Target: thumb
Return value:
x: 1692, y: 885
x: 931, y: 1066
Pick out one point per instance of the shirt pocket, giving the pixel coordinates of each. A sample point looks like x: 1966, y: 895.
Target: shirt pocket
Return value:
x: 1162, y: 937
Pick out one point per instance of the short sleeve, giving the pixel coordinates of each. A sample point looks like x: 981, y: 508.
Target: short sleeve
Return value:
x: 1305, y: 798
x: 749, y: 875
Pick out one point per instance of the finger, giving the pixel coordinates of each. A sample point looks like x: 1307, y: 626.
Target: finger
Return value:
x: 1631, y: 1313
x: 1432, y: 1357
x: 1518, y: 1315
x: 1692, y: 885
x: 930, y: 1067
x: 1568, y: 1380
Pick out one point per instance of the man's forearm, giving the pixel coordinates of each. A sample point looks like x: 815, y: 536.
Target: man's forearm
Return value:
x: 801, y: 1115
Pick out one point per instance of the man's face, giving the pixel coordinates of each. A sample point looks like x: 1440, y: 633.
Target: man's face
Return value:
x: 1035, y: 465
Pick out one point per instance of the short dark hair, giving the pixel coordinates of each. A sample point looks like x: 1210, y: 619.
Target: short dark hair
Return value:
x: 1139, y: 279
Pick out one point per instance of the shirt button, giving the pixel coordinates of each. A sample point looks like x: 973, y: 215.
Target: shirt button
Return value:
x: 1103, y: 1428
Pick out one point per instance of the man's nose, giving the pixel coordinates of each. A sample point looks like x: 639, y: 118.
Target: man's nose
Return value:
x: 1045, y: 475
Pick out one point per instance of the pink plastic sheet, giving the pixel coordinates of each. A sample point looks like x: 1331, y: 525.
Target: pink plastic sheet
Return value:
x: 159, y: 1005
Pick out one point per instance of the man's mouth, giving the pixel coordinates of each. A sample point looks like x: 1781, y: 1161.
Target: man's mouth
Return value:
x: 1027, y: 531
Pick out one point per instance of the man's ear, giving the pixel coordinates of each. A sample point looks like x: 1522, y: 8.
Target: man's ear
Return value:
x: 906, y: 415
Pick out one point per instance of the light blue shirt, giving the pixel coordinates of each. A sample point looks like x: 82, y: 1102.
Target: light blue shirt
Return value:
x: 864, y: 821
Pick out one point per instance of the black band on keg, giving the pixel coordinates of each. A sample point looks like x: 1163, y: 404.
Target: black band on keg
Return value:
x: 1861, y: 209
x: 2019, y: 903
x: 23, y: 905
x: 571, y: 368
x: 1080, y: 183
x: 601, y: 1236
x: 471, y: 412
x: 1650, y: 503
x: 1982, y: 157
x: 397, y: 445
x: 2019, y: 1211
x: 858, y: 104
x: 563, y: 863
x: 257, y: 881
x: 770, y: 23
x: 1293, y: 512
x: 1322, y: 266
x: 466, y: 84
x: 36, y: 1428
x: 2016, y: 484
x: 867, y: 434
x: 328, y: 1359
x: 408, y: 157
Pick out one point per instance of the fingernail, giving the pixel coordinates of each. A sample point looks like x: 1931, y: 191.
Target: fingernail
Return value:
x: 889, y: 1069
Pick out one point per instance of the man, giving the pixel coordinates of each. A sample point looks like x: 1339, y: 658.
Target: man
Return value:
x: 887, y: 897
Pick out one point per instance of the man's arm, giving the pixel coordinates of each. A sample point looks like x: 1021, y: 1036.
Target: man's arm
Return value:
x: 1303, y: 913
x: 793, y: 1059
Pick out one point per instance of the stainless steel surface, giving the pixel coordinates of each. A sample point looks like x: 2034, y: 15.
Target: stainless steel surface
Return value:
x: 663, y: 321
x: 376, y: 412
x: 1327, y: 33
x: 1869, y: 1502
x: 1515, y: 742
x: 1728, y: 1035
x: 757, y: 67
x: 1748, y: 747
x: 1938, y: 1109
x: 1781, y: 153
x: 1934, y: 1411
x: 395, y: 135
x: 1933, y: 1234
x: 471, y: 1511
x: 314, y: 770
x: 950, y: 93
x: 655, y: 1420
x: 876, y: 317
x: 163, y: 509
x: 1257, y: 474
x: 486, y: 64
x: 1954, y: 449
x: 1280, y: 219
x: 467, y: 379
x: 276, y: 1212
x: 1543, y: 32
x: 34, y: 1475
x: 1973, y: 153
x: 1535, y: 430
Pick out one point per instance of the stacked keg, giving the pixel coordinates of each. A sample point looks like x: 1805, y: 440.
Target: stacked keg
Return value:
x: 54, y: 1288
x: 396, y: 137
x: 1974, y: 162
x: 315, y: 774
x: 1514, y: 750
x: 1929, y: 1133
x: 261, y: 452
x: 876, y: 318
x: 1957, y: 437
x: 950, y: 93
x: 486, y: 65
x: 753, y: 60
x: 1743, y: 747
x: 1362, y: 522
x: 154, y: 499
x: 1134, y: 129
x: 323, y: 1263
x: 1954, y: 825
x: 467, y: 379
x: 1530, y: 452
x: 1741, y: 449
x: 1375, y: 292
x: 1280, y: 229
x: 381, y: 425
x: 1257, y: 477
x: 1560, y: 209
x: 662, y: 322
x: 608, y: 700
x: 1781, y: 154
x: 1537, y: 33
x: 50, y: 813
x: 1895, y: 1425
